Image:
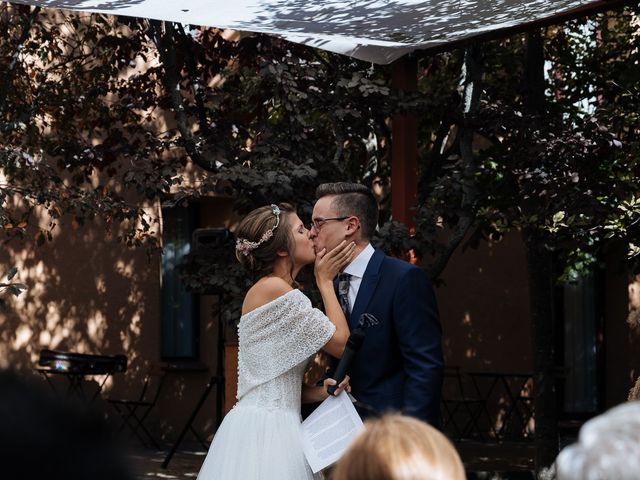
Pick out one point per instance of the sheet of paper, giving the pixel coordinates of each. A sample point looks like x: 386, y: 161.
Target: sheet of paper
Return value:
x: 328, y: 431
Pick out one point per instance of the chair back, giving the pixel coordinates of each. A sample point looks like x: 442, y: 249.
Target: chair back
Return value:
x: 461, y: 412
x: 152, y: 387
x: 452, y: 386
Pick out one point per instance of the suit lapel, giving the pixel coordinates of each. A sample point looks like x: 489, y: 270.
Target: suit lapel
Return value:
x: 367, y: 287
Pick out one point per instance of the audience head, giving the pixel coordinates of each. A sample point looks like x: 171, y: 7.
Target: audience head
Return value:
x: 395, y: 447
x: 608, y: 447
x: 44, y: 437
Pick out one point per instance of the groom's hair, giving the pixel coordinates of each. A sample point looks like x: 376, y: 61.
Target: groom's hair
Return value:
x: 353, y: 199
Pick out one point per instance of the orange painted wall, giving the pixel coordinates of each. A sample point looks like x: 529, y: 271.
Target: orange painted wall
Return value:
x: 484, y: 308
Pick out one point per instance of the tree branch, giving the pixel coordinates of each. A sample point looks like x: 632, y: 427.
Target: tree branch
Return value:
x: 198, y: 91
x: 471, y: 81
x: 433, y: 163
x: 165, y: 42
x: 8, y: 76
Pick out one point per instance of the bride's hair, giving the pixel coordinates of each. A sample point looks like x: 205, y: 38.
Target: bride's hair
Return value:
x: 259, y: 249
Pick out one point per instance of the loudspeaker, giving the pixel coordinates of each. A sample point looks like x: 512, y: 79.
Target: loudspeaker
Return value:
x: 205, y: 240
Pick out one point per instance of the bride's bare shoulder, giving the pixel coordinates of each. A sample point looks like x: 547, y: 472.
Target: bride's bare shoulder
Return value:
x: 264, y: 291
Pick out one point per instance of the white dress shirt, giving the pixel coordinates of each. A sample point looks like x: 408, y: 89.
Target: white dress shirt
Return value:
x: 356, y: 269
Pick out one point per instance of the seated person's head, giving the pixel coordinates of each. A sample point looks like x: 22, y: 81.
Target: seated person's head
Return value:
x: 395, y: 447
x: 608, y: 447
x: 45, y: 437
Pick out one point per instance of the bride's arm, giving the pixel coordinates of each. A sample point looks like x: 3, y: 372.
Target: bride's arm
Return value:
x: 327, y: 266
x: 319, y: 394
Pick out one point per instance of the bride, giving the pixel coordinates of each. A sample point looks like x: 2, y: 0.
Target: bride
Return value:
x: 279, y: 332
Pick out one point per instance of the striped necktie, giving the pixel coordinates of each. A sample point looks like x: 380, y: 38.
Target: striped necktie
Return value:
x: 343, y: 293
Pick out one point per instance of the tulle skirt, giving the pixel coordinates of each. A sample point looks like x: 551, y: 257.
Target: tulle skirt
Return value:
x: 256, y: 443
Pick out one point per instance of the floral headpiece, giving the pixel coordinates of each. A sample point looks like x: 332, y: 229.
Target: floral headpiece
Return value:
x: 245, y: 247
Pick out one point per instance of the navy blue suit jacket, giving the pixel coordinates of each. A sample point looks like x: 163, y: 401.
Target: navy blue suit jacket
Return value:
x: 399, y: 366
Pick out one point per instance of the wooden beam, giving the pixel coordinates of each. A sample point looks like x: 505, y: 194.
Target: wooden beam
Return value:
x: 404, y: 149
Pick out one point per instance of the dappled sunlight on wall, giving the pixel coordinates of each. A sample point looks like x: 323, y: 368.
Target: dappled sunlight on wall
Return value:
x: 484, y: 308
x: 86, y: 294
x: 633, y: 318
x: 471, y: 352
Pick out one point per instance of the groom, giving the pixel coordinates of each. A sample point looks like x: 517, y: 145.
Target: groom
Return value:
x: 399, y: 365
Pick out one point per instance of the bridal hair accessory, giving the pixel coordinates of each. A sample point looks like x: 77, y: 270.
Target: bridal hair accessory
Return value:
x: 245, y: 247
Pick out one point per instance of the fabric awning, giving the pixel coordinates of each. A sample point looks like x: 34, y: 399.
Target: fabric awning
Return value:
x: 377, y: 31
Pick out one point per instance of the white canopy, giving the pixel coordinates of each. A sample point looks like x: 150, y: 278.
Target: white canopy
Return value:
x: 378, y: 31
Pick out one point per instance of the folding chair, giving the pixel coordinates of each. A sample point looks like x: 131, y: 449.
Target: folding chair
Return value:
x: 134, y: 412
x: 460, y: 412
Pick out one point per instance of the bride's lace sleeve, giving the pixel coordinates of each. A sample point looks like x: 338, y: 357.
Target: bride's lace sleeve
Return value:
x: 278, y: 336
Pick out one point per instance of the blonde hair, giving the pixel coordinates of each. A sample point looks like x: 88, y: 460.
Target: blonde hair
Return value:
x: 395, y: 447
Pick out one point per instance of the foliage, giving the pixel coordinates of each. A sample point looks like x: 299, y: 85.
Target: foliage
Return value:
x: 262, y: 118
x: 12, y: 288
x: 101, y: 115
x: 567, y: 169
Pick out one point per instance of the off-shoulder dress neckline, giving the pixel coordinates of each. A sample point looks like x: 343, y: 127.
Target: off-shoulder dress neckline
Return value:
x: 269, y: 303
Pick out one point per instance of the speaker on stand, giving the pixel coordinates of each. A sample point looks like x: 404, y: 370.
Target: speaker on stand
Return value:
x: 207, y: 242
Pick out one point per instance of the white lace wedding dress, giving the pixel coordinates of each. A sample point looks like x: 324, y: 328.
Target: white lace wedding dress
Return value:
x: 259, y: 438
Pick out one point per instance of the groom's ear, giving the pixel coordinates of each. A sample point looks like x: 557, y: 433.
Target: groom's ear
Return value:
x: 352, y: 225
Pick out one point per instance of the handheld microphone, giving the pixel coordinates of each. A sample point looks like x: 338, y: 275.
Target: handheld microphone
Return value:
x: 353, y: 345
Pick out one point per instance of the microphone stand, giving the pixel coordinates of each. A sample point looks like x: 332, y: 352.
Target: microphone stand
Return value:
x: 216, y: 380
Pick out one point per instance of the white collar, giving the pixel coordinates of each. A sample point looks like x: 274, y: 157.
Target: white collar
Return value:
x: 359, y: 264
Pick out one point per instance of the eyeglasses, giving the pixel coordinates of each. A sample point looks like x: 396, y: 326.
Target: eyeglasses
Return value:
x: 319, y: 222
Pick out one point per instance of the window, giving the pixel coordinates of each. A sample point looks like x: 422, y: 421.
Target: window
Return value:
x: 582, y: 322
x: 180, y: 313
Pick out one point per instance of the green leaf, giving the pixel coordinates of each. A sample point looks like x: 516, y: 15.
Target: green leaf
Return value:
x: 12, y: 273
